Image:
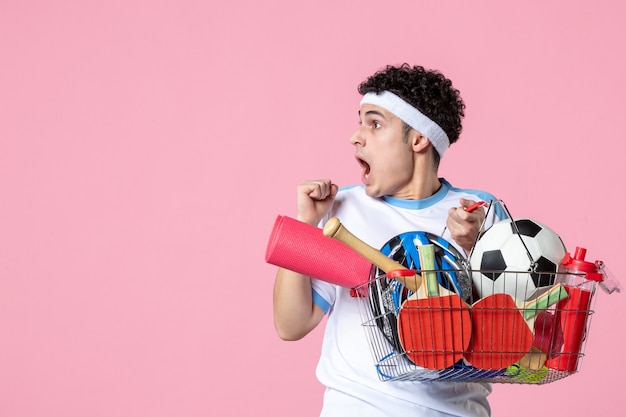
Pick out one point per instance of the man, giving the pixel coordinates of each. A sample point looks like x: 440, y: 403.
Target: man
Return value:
x: 408, y: 117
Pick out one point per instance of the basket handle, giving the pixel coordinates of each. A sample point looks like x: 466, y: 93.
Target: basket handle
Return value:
x: 333, y: 228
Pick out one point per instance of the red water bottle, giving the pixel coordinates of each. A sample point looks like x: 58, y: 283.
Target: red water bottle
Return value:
x: 580, y: 279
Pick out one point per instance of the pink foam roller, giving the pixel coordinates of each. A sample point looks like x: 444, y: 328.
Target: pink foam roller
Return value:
x: 303, y: 248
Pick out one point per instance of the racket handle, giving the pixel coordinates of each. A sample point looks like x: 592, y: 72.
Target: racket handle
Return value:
x: 427, y: 263
x: 550, y: 297
x: 333, y: 228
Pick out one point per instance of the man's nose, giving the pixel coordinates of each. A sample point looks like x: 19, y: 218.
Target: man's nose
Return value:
x: 357, y: 137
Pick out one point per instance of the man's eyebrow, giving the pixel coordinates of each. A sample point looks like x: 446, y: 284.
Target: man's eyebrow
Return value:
x: 374, y: 113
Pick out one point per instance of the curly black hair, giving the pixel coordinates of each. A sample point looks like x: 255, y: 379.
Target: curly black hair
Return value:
x: 427, y: 90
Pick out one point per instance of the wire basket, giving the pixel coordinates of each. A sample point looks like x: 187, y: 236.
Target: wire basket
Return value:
x: 557, y: 316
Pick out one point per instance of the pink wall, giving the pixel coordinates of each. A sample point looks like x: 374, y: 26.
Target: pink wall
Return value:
x: 146, y: 148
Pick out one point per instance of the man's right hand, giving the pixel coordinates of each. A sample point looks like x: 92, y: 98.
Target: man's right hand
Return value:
x: 314, y: 199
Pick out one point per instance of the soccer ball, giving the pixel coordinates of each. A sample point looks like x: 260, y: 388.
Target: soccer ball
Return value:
x: 503, y: 261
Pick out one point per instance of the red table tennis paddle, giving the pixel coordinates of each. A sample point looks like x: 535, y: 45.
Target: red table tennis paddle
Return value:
x: 435, y: 330
x: 502, y: 329
x: 434, y: 325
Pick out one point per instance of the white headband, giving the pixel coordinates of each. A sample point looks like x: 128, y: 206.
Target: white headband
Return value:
x: 411, y: 116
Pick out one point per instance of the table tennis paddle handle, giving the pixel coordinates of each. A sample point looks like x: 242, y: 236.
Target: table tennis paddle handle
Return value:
x: 550, y: 297
x: 427, y: 262
x: 333, y: 228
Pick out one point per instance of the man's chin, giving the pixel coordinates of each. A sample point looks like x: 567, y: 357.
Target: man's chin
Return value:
x: 372, y: 192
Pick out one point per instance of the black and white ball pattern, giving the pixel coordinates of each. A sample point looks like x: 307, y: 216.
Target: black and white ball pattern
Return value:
x: 505, y: 261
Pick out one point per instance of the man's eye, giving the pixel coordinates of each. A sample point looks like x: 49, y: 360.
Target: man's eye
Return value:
x: 372, y: 125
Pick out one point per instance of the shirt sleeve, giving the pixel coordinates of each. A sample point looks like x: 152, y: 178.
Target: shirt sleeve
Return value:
x: 324, y: 294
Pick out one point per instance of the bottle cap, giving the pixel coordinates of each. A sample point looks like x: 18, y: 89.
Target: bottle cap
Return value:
x: 577, y: 263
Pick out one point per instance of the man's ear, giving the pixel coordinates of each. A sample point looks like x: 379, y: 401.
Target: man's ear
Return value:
x: 419, y: 142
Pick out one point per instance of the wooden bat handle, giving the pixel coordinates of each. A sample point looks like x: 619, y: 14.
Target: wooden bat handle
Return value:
x: 333, y: 228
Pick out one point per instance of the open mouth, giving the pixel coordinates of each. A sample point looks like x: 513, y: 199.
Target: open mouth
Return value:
x: 365, y: 169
